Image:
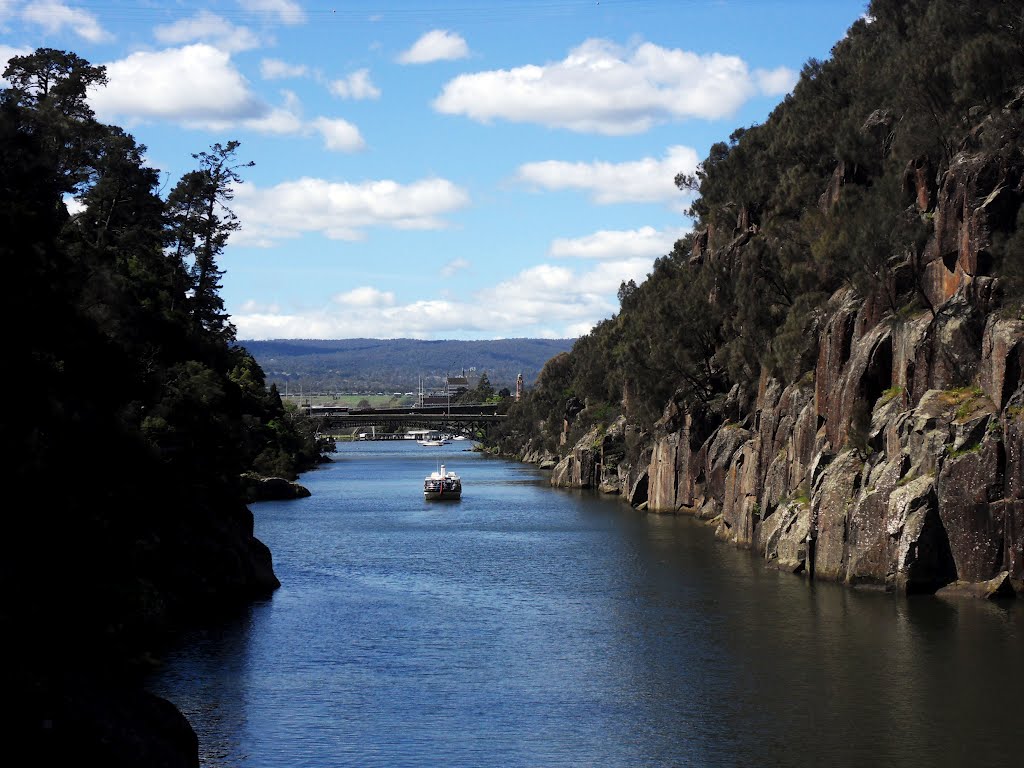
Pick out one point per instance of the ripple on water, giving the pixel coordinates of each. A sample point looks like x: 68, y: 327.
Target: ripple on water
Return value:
x: 529, y: 626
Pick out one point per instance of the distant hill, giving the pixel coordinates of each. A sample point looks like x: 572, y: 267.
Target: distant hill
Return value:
x: 363, y: 365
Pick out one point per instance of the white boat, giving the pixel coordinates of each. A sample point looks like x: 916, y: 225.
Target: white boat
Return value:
x: 432, y: 438
x: 442, y: 485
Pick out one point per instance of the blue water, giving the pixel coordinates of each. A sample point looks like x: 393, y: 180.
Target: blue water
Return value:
x: 529, y: 626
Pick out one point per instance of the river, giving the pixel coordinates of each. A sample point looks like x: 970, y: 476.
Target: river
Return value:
x: 529, y: 626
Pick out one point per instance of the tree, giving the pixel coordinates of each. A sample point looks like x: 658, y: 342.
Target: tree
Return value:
x: 48, y: 88
x: 58, y: 80
x: 200, y: 224
x: 484, y: 390
x: 164, y: 404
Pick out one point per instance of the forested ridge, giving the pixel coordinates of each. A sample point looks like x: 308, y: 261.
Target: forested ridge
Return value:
x: 836, y: 190
x: 829, y: 369
x: 130, y: 418
x: 369, y: 365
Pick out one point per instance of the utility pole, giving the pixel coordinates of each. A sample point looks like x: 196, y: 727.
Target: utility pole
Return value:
x: 448, y: 391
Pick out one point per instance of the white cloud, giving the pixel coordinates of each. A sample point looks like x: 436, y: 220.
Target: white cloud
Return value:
x: 601, y: 87
x: 209, y: 28
x: 436, y: 45
x: 252, y: 307
x: 417, y: 320
x: 275, y: 69
x: 53, y: 16
x: 543, y: 301
x: 563, y: 293
x: 454, y: 266
x: 776, y: 82
x: 197, y: 86
x: 565, y: 302
x: 196, y: 82
x: 355, y: 86
x: 339, y: 135
x: 648, y: 180
x: 607, y: 276
x: 285, y: 120
x: 424, y: 319
x: 646, y: 242
x: 279, y: 121
x: 6, y: 54
x: 536, y: 283
x: 365, y: 296
x: 285, y: 11
x: 342, y: 211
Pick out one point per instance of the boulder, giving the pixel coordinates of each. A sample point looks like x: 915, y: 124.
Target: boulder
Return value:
x: 791, y: 544
x: 999, y: 586
x: 272, y: 489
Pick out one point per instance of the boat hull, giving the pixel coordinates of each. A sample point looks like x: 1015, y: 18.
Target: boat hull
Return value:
x: 442, y: 495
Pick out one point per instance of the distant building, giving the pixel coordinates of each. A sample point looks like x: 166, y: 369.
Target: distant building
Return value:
x: 455, y: 387
x: 519, y: 387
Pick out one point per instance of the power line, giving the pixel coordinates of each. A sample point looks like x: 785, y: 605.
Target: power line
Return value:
x: 376, y: 13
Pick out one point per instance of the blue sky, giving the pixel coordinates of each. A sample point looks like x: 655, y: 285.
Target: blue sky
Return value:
x: 438, y: 169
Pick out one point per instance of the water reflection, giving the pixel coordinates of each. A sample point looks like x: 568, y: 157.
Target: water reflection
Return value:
x: 538, y: 627
x: 206, y: 674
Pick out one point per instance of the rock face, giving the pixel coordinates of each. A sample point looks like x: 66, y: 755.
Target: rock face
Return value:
x: 94, y: 723
x: 873, y: 474
x: 593, y: 461
x: 884, y: 471
x: 898, y: 462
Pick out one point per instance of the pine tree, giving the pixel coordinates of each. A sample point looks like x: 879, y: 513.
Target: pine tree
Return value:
x: 200, y: 223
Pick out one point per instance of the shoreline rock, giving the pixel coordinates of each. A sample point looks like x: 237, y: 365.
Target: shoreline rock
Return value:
x: 259, y: 488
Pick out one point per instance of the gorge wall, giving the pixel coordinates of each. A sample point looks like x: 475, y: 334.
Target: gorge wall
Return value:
x: 898, y: 463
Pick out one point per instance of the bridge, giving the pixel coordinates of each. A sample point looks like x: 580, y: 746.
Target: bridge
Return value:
x: 469, y: 420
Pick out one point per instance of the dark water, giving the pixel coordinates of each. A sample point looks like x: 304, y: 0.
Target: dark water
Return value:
x: 529, y: 626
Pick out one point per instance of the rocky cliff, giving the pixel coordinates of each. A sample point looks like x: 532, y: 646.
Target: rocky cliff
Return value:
x: 897, y: 462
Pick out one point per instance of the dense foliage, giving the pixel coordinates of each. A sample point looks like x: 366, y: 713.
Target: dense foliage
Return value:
x: 814, y: 200
x: 135, y: 408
